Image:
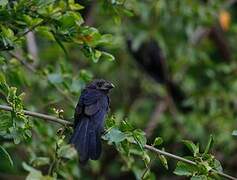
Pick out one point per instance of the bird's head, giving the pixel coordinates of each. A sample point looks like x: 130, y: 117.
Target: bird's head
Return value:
x: 101, y: 84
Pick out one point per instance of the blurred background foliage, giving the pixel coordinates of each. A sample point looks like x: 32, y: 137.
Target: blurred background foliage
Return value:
x: 50, y: 50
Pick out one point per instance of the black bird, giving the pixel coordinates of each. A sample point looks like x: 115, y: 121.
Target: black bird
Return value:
x: 150, y: 57
x: 89, y: 118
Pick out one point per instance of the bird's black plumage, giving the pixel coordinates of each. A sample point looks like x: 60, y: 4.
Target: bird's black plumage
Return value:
x: 150, y: 57
x: 89, y: 118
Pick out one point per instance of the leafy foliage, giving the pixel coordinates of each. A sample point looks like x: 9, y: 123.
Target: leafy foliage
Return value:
x: 70, y: 52
x: 205, y: 162
x: 18, y: 126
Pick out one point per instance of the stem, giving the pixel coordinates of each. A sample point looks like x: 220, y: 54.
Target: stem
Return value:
x: 153, y: 149
x: 32, y: 69
x: 148, y: 147
x: 39, y: 115
x: 29, y: 67
x: 31, y: 29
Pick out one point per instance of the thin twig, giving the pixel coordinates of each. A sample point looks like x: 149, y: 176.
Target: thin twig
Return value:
x: 32, y: 47
x: 32, y: 69
x: 148, y: 147
x: 39, y: 115
x: 152, y: 124
x: 153, y: 149
x: 25, y: 64
x: 31, y: 29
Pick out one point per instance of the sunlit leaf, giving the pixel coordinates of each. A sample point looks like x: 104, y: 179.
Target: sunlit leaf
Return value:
x: 163, y: 161
x: 55, y: 78
x: 114, y: 136
x: 209, y: 144
x: 184, y: 169
x: 40, y: 161
x: 201, y: 177
x: 191, y: 146
x: 67, y: 151
x: 234, y: 133
x: 158, y: 141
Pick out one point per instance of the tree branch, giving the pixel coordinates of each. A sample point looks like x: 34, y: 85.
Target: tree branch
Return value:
x: 32, y: 47
x: 148, y: 147
x: 32, y: 69
x: 30, y: 29
x: 39, y: 115
x: 159, y: 109
x: 158, y: 151
x: 25, y: 64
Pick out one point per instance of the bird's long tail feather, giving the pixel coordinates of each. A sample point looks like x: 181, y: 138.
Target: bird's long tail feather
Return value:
x: 86, y: 140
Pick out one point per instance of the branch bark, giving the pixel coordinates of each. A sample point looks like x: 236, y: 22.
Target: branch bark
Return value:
x: 160, y: 108
x: 32, y: 47
x: 148, y: 147
x: 39, y: 115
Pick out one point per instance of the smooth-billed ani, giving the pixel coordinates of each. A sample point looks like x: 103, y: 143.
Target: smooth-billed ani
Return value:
x: 89, y: 118
x: 150, y: 57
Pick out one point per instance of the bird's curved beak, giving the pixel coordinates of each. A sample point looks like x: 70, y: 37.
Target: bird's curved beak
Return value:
x: 109, y: 85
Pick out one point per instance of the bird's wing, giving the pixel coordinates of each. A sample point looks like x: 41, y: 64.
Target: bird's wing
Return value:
x: 88, y: 103
x: 92, y: 109
x: 91, y: 101
x: 91, y: 97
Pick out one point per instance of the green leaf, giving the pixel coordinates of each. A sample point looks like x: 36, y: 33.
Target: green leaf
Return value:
x: 217, y: 165
x: 70, y: 19
x: 7, y: 32
x: 21, y: 126
x: 114, y: 136
x: 128, y: 12
x: 158, y: 141
x: 75, y: 6
x: 204, y: 166
x: 35, y: 174
x: 4, y: 151
x: 139, y: 137
x: 126, y: 126
x: 55, y: 78
x: 96, y: 56
x: 67, y: 151
x: 184, y: 169
x: 28, y: 168
x: 45, y: 31
x: 31, y: 21
x: 86, y: 75
x: 201, y: 177
x: 76, y: 86
x: 209, y: 144
x: 146, y: 158
x: 105, y: 39
x: 164, y: 161
x: 4, y: 88
x: 40, y: 161
x: 117, y: 20
x: 3, y: 3
x: 2, y: 61
x: 110, y: 122
x: 191, y: 146
x: 234, y: 133
x: 5, y: 122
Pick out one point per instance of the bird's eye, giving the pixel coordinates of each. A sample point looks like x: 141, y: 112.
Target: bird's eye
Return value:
x: 99, y: 84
